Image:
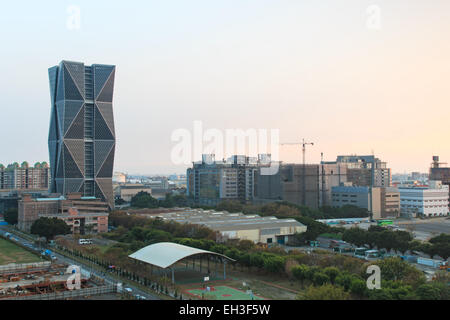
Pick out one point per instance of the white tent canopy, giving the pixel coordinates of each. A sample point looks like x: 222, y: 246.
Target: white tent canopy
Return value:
x: 165, y: 254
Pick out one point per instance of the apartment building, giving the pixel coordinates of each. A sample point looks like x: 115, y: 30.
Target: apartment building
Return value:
x: 24, y: 177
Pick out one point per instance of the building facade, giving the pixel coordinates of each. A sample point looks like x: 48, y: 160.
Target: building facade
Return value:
x: 380, y: 202
x: 209, y: 182
x: 390, y: 203
x: 82, y: 214
x: 82, y: 137
x: 366, y: 171
x: 24, y: 177
x: 312, y: 185
x: 127, y: 191
x: 439, y: 171
x: 428, y: 201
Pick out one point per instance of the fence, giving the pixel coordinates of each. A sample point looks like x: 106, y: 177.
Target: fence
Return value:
x: 13, y: 267
x: 111, y: 288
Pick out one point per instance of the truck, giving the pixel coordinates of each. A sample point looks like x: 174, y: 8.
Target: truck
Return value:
x: 430, y: 262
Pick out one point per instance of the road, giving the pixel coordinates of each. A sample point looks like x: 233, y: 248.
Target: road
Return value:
x: 425, y: 229
x: 67, y: 260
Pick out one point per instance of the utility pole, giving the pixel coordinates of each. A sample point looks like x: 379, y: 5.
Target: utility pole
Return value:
x: 303, y: 144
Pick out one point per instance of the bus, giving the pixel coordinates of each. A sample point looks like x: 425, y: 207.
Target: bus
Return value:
x: 372, y: 254
x: 383, y: 223
x: 360, y: 252
x: 85, y: 241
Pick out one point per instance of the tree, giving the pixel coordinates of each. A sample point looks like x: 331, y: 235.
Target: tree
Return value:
x: 230, y: 206
x: 144, y: 200
x: 300, y: 272
x: 442, y: 238
x: 355, y: 235
x: 11, y: 216
x: 49, y: 227
x: 396, y: 269
x: 358, y: 287
x: 325, y: 292
x: 320, y: 278
x: 428, y: 292
x: 442, y: 249
x: 332, y: 273
x: 119, y: 201
x: 344, y: 280
x: 274, y: 264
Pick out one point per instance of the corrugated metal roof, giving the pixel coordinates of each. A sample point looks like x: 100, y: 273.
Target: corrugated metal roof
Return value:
x: 165, y: 254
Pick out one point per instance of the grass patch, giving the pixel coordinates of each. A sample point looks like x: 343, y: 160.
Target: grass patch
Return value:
x: 12, y: 253
x: 337, y: 236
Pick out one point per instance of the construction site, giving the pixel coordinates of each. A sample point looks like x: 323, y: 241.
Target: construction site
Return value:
x: 46, y: 280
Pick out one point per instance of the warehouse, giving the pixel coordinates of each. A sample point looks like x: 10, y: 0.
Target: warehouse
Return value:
x: 238, y: 225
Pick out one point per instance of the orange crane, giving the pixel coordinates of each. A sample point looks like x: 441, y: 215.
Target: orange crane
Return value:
x: 303, y: 144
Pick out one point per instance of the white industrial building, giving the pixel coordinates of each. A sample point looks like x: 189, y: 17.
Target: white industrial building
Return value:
x: 238, y: 225
x: 431, y: 201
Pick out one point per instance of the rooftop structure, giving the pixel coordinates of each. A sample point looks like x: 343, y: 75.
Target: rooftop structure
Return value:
x: 165, y: 254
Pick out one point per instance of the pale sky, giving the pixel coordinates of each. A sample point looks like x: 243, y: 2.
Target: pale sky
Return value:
x: 312, y: 69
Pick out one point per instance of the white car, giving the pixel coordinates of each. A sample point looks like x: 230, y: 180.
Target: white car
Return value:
x: 128, y: 290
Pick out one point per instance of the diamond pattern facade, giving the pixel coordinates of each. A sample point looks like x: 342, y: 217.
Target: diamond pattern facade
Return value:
x: 81, y: 138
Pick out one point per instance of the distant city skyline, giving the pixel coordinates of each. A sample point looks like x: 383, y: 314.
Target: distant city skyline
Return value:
x: 313, y: 71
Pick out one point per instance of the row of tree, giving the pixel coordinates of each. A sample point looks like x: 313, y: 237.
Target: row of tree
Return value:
x: 287, y: 209
x: 401, y: 241
x: 145, y: 200
x: 279, y: 208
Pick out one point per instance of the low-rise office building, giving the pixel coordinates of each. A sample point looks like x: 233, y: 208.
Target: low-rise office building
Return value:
x: 128, y: 191
x: 82, y: 214
x: 428, y: 201
x: 380, y: 202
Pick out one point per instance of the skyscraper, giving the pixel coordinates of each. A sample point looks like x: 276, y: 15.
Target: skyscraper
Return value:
x: 82, y: 137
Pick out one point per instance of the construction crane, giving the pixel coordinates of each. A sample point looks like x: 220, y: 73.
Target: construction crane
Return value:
x: 303, y: 144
